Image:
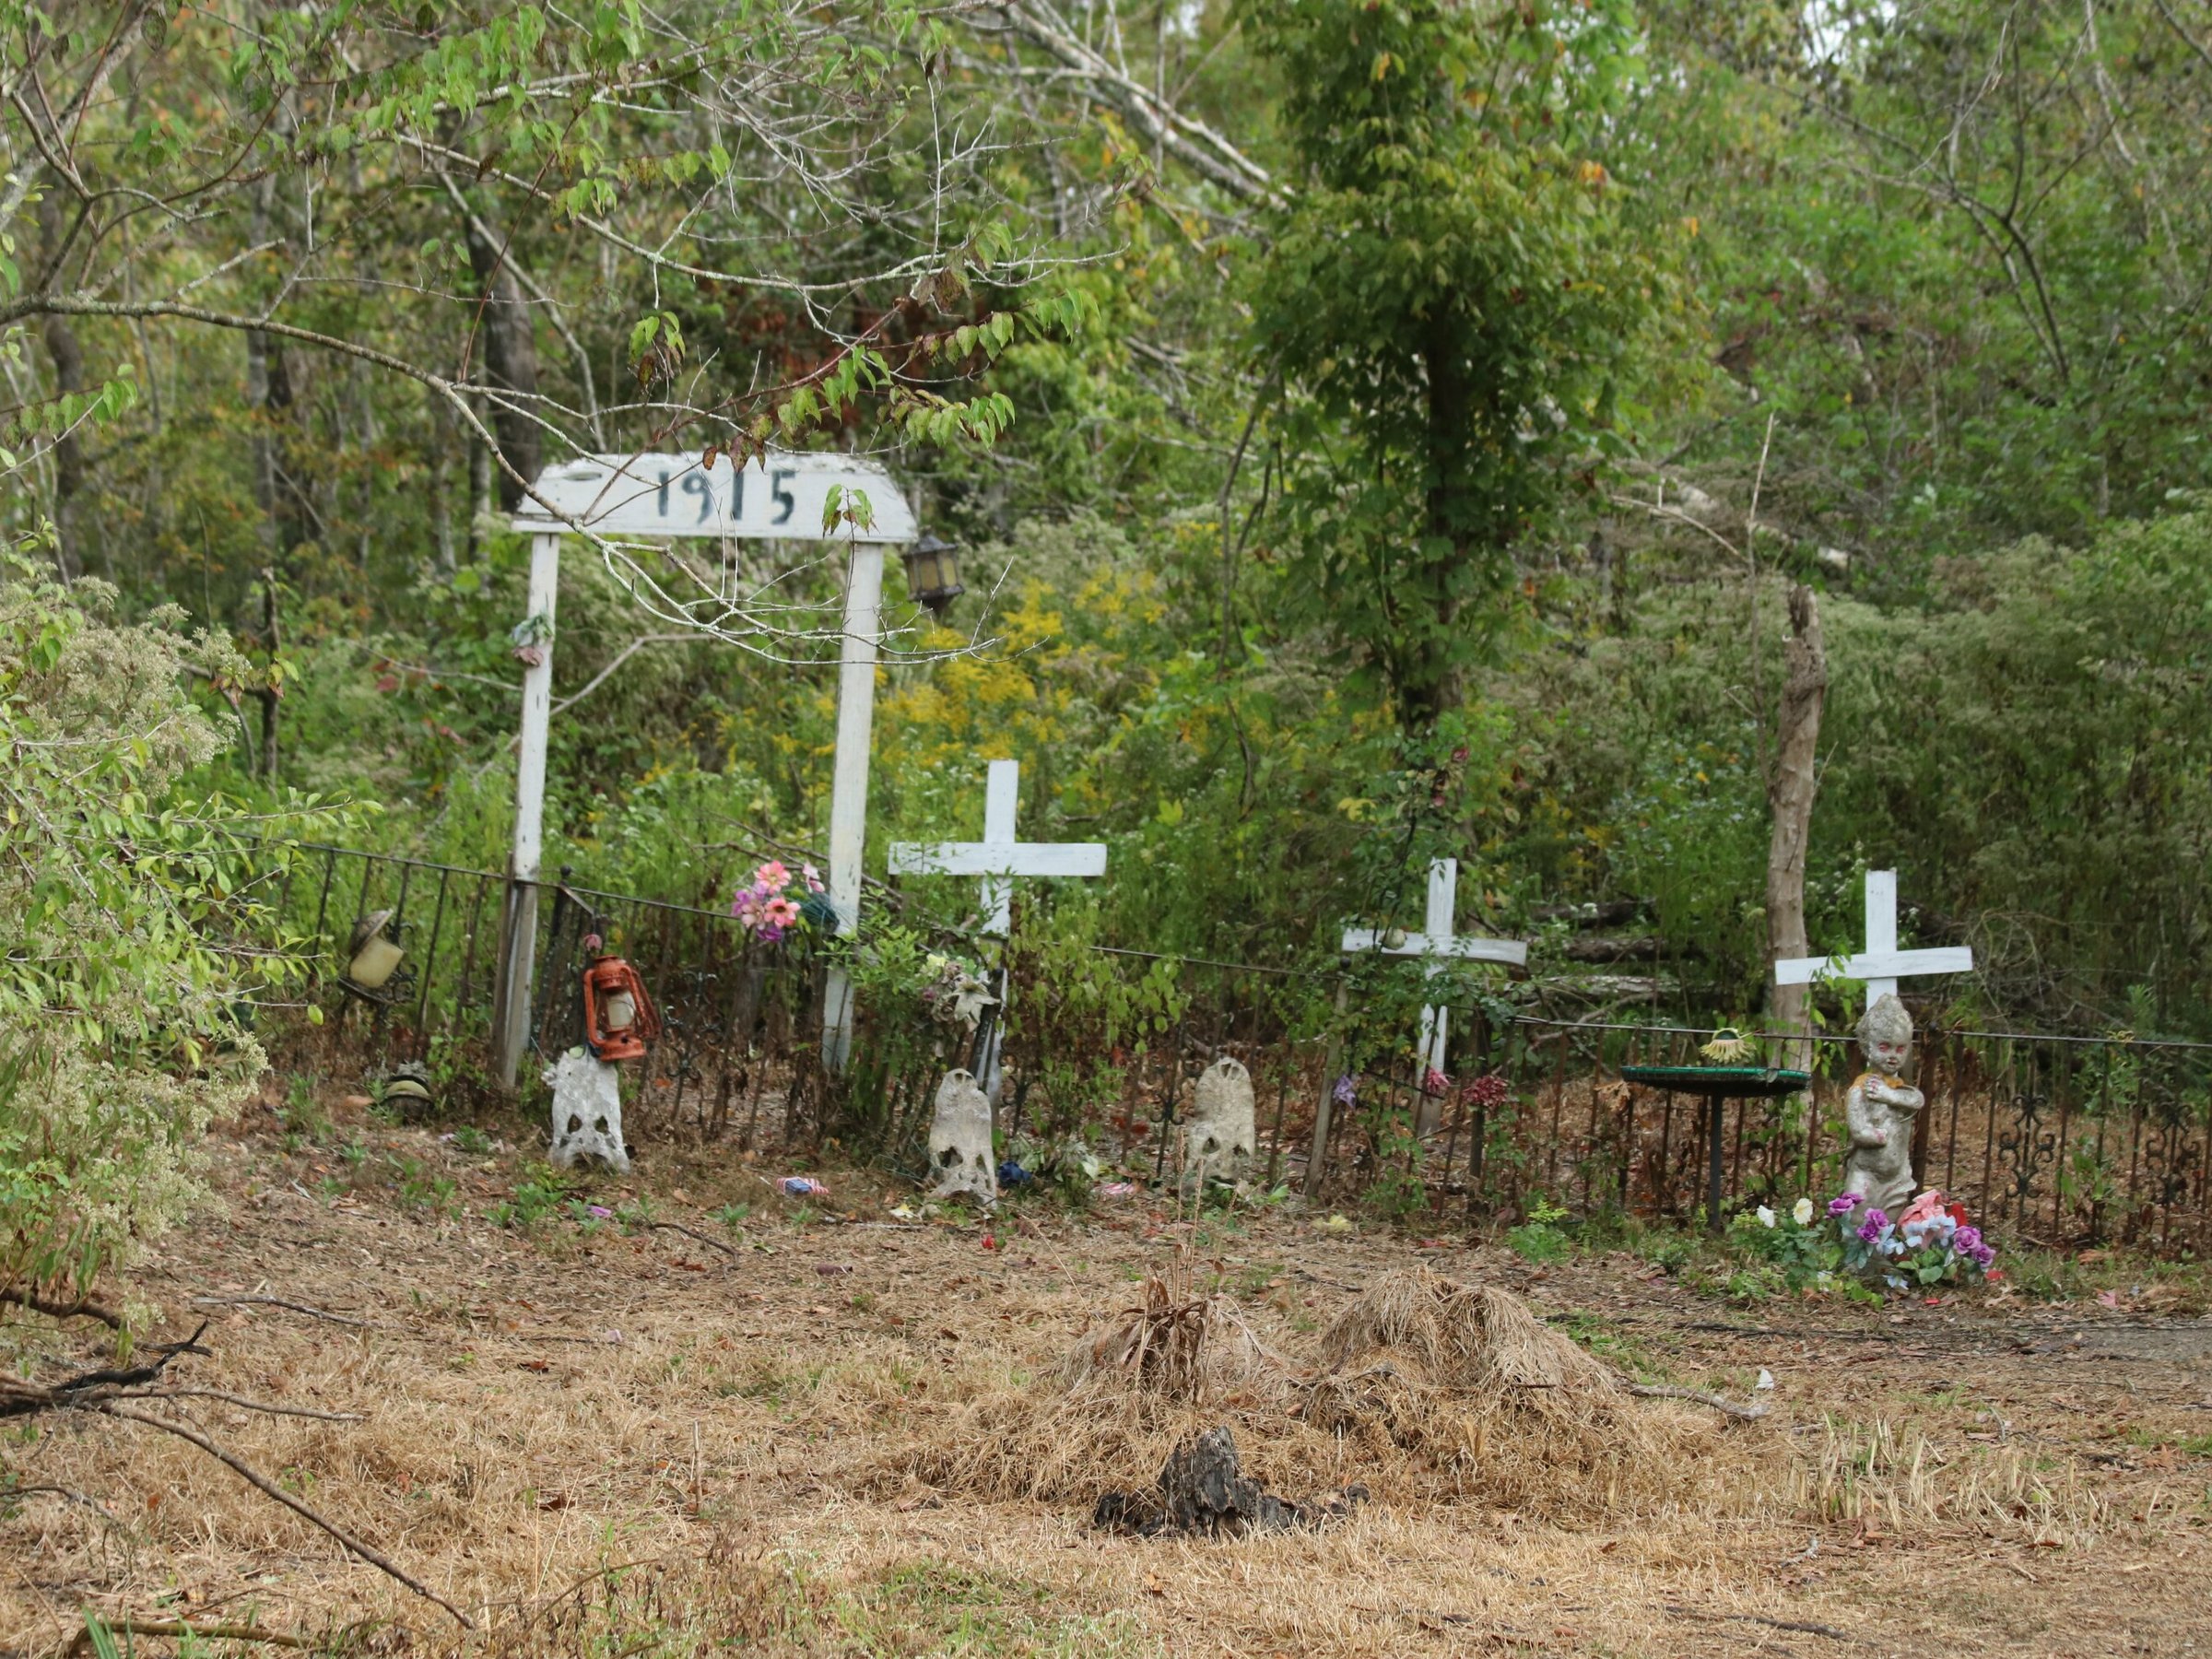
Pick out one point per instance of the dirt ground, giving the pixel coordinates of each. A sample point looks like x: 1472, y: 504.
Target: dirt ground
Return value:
x: 629, y: 1441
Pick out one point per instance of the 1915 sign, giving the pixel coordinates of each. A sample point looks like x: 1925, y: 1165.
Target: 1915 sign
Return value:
x: 782, y: 497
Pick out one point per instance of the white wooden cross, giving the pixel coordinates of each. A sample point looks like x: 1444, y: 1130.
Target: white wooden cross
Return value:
x: 998, y: 857
x: 1440, y: 946
x: 1881, y: 964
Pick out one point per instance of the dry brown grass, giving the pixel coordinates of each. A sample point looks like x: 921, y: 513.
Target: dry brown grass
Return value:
x: 1467, y: 1381
x: 852, y: 1462
x: 1423, y: 1390
x: 1897, y: 1480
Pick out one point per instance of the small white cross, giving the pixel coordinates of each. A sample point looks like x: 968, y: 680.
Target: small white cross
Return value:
x: 998, y: 857
x: 1882, y: 964
x: 1440, y: 946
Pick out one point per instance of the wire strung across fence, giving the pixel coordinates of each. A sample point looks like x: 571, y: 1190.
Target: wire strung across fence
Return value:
x: 2057, y: 1138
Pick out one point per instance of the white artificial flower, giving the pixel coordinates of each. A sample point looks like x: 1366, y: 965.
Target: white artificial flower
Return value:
x: 1802, y: 1212
x: 1766, y: 1215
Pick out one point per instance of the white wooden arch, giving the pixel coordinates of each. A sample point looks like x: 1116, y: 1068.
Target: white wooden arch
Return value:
x: 781, y: 497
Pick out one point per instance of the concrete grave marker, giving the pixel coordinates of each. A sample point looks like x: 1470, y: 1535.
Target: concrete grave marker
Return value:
x: 587, y: 1111
x: 1219, y: 1135
x: 960, y: 1140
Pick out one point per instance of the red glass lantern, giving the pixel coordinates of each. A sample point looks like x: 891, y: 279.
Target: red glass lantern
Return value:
x: 618, y: 1017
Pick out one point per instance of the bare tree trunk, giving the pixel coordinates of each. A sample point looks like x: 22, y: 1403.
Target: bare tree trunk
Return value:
x: 510, y: 349
x: 68, y: 358
x: 479, y: 487
x: 270, y: 693
x: 444, y: 431
x: 1790, y: 789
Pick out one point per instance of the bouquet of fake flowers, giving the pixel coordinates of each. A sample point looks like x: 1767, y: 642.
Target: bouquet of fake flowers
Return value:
x: 955, y: 994
x: 778, y: 904
x: 1934, y: 1243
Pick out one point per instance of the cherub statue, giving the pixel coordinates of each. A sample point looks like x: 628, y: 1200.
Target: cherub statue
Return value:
x: 1879, y: 1111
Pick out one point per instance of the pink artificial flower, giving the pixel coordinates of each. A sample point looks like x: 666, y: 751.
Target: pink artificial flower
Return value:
x: 1488, y: 1091
x: 1436, y: 1083
x: 1925, y: 1208
x: 775, y: 876
x: 814, y: 877
x: 780, y: 912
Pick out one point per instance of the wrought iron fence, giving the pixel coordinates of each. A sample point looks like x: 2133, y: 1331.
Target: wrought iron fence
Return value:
x: 2053, y: 1139
x: 736, y: 1053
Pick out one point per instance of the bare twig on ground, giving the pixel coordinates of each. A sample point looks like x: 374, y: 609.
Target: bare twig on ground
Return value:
x: 692, y: 1232
x: 1666, y: 1391
x: 20, y: 1398
x: 255, y: 1477
x: 279, y: 1301
x: 1804, y: 1625
x: 244, y: 1404
x: 169, y: 1627
x: 113, y: 1392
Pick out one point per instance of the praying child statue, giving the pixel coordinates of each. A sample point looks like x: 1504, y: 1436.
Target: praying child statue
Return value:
x: 1879, y: 1111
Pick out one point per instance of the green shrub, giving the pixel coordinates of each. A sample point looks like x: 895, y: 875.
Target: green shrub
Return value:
x: 141, y: 933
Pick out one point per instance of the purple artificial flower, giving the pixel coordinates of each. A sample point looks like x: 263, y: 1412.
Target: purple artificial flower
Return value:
x: 1871, y: 1228
x: 599, y: 1212
x: 1984, y: 1255
x: 1346, y: 1092
x: 1843, y: 1203
x: 771, y: 934
x: 1967, y: 1240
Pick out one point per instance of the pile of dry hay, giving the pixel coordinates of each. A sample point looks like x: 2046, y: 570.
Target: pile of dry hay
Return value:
x: 1422, y: 1389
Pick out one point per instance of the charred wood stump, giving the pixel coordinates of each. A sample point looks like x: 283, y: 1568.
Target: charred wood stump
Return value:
x: 1203, y: 1491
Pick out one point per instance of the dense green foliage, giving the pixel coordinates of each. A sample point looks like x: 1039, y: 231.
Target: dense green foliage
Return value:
x: 1452, y: 302
x: 1355, y: 413
x: 138, y: 940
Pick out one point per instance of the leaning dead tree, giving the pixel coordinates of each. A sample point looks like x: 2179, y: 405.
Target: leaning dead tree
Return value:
x: 1792, y: 780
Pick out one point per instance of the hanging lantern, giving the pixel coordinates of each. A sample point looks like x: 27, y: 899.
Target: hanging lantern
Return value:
x: 372, y: 958
x: 933, y: 573
x: 618, y: 1017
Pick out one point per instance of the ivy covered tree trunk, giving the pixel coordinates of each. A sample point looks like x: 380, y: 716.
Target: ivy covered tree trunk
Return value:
x: 1452, y: 302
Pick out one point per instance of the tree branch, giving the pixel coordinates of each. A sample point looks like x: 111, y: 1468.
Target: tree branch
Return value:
x: 255, y: 1478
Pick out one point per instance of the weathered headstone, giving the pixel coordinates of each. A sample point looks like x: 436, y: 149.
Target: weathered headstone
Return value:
x: 1219, y: 1135
x: 587, y: 1111
x: 960, y: 1140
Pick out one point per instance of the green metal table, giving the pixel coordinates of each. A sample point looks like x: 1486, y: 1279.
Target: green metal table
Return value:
x: 1718, y: 1085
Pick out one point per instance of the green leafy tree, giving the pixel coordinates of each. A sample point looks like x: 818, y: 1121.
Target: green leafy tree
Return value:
x: 1451, y: 303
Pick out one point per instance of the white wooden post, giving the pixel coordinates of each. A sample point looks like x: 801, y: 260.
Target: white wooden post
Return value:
x: 1441, y: 946
x: 848, y: 785
x: 1881, y: 964
x: 518, y: 916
